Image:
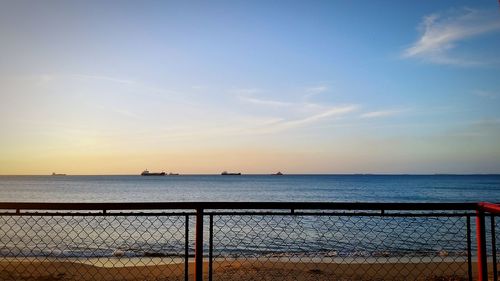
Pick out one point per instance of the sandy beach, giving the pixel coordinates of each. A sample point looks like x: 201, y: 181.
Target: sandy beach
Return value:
x: 233, y: 270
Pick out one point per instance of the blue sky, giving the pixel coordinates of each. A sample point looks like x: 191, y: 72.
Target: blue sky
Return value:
x: 258, y: 86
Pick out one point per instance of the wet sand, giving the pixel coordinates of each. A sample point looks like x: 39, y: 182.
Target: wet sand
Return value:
x: 236, y: 270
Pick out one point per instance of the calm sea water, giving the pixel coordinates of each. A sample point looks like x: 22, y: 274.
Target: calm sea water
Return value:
x: 350, y: 188
x: 269, y: 236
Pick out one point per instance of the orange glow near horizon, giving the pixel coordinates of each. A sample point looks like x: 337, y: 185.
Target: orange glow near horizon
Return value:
x: 94, y: 87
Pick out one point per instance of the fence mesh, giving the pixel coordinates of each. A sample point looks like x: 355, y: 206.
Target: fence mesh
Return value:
x: 284, y: 247
x: 73, y: 247
x: 492, y: 233
x: 238, y: 246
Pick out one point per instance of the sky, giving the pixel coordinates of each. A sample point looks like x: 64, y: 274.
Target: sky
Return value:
x: 116, y: 87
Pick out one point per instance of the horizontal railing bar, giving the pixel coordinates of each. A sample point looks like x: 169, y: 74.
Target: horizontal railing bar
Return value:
x: 237, y: 205
x: 100, y: 214
x: 148, y: 214
x: 341, y: 214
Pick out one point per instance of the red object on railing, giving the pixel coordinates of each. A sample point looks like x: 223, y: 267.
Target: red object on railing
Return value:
x: 489, y: 207
x: 482, y: 262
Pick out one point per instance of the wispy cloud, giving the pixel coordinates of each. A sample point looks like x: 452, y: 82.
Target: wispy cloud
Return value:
x: 265, y: 102
x: 312, y: 91
x: 246, y: 91
x: 381, y: 113
x: 486, y: 94
x: 440, y: 33
x: 133, y: 85
x: 477, y: 128
x: 317, y: 89
x: 137, y: 85
x: 336, y: 111
x: 296, y: 113
x: 252, y: 126
x: 119, y: 110
x: 103, y: 78
x: 276, y: 125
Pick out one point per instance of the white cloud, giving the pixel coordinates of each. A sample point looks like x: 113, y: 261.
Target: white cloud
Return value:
x: 380, y: 113
x: 312, y: 91
x: 103, y: 78
x: 299, y: 113
x: 53, y: 78
x: 264, y: 101
x: 247, y: 91
x: 440, y: 33
x: 316, y: 113
x: 258, y: 126
x: 486, y: 94
x: 317, y: 89
x: 330, y: 112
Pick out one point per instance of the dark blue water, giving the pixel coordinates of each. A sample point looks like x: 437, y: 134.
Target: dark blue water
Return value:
x: 349, y: 188
x: 274, y: 236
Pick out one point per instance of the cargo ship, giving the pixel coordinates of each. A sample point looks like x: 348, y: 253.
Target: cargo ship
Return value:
x: 225, y: 173
x: 147, y: 173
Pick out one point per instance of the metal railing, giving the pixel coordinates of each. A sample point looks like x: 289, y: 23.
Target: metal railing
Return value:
x: 247, y: 241
x: 487, y: 240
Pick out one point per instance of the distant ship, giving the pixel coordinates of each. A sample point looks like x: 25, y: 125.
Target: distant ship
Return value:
x: 147, y: 173
x: 173, y: 174
x: 54, y: 174
x: 225, y: 173
x: 277, y: 174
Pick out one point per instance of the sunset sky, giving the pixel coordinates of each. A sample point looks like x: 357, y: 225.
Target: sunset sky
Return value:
x: 115, y: 87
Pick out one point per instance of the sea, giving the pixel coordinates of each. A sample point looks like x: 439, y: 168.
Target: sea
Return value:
x: 274, y: 236
x: 255, y: 188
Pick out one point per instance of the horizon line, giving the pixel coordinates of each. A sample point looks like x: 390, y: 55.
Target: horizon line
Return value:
x: 273, y: 174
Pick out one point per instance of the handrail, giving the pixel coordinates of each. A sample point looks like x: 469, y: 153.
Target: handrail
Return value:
x: 201, y: 209
x: 482, y: 255
x: 239, y: 205
x: 489, y: 207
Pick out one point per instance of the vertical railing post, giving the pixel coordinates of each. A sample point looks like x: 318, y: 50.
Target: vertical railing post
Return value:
x: 469, y: 250
x: 211, y: 248
x: 482, y: 265
x: 494, y: 248
x: 198, y: 250
x: 186, y: 248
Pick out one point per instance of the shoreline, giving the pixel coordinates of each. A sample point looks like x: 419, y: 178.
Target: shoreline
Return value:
x: 170, y: 260
x: 256, y: 174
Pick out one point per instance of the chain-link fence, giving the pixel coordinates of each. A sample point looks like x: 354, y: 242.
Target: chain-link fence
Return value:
x: 241, y: 241
x: 340, y: 247
x: 492, y: 235
x: 94, y: 246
